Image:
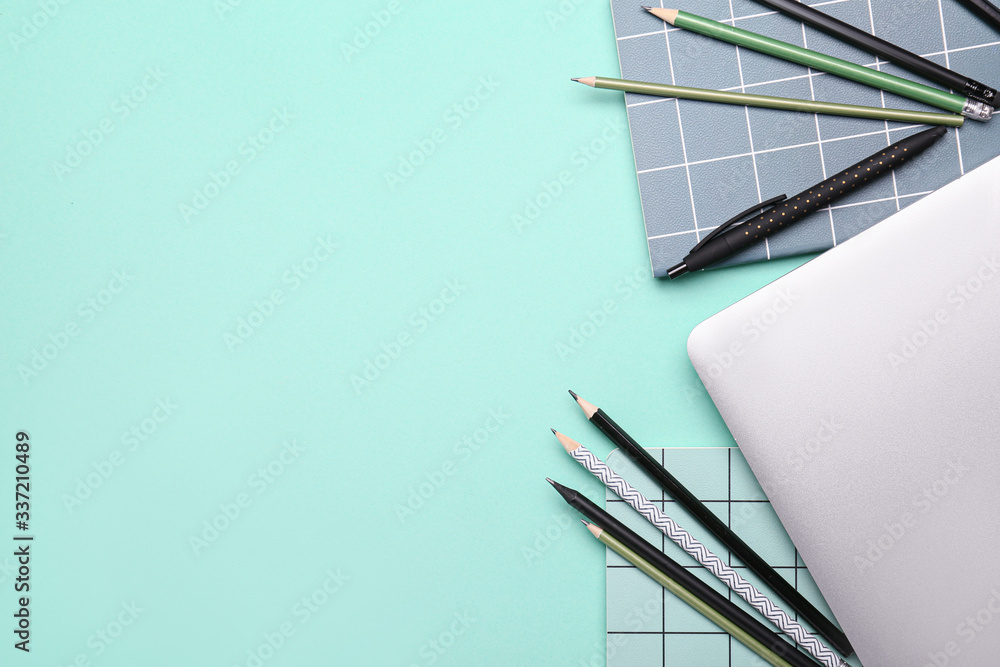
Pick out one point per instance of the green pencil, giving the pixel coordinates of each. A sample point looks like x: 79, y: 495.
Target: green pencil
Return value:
x: 687, y: 596
x: 842, y: 68
x: 769, y: 102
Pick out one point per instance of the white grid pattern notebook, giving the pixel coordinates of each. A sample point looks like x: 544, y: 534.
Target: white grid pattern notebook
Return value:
x: 649, y: 627
x: 699, y: 163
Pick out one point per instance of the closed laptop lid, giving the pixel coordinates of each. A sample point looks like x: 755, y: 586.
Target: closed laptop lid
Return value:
x: 864, y: 391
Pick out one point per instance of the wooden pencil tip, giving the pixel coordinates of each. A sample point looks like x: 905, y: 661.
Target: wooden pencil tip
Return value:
x: 587, y: 80
x: 588, y: 408
x: 594, y: 529
x: 554, y: 432
x: 569, y: 444
x: 668, y: 15
x: 573, y: 394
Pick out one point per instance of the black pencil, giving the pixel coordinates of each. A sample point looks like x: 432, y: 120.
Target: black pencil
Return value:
x: 986, y: 11
x: 717, y: 527
x: 880, y: 47
x: 683, y: 576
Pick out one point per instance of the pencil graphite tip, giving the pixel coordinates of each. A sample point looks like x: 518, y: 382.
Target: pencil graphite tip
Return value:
x: 594, y: 529
x: 589, y: 409
x: 587, y: 80
x: 573, y: 394
x: 668, y: 15
x: 569, y: 444
x: 554, y: 432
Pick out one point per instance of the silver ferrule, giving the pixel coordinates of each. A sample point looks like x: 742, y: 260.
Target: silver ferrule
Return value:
x: 977, y: 110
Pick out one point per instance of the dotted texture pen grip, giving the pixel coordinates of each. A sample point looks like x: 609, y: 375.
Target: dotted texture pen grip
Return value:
x: 822, y: 194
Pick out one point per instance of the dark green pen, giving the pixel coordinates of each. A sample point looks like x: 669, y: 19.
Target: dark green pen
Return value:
x: 731, y: 237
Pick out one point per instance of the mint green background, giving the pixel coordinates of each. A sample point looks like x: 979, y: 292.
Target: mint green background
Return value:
x: 477, y: 545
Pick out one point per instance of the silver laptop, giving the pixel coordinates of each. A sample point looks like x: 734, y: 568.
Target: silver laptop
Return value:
x: 864, y: 390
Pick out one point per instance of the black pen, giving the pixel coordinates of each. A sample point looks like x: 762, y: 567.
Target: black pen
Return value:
x: 880, y: 47
x: 986, y: 10
x: 730, y: 237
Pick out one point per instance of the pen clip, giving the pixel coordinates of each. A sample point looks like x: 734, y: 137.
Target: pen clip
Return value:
x: 733, y: 221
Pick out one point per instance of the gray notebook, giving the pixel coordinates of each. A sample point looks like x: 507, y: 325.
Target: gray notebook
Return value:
x: 698, y: 164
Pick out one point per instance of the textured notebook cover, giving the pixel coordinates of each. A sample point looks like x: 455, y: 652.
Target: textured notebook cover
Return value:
x: 699, y: 163
x: 649, y: 627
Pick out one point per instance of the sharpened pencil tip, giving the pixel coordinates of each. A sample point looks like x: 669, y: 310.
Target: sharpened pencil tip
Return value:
x: 573, y: 394
x: 569, y: 444
x: 584, y: 522
x: 589, y: 409
x: 554, y: 432
x: 587, y: 81
x: 668, y: 15
x: 550, y: 481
